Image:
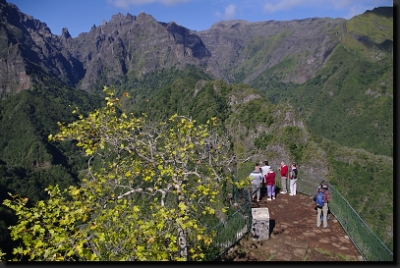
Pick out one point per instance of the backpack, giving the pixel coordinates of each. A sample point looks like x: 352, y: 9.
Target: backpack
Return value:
x: 319, y: 199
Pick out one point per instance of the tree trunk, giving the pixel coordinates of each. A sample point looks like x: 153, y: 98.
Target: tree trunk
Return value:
x: 182, y: 241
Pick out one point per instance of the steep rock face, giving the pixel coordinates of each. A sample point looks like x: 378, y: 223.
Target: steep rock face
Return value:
x: 184, y: 37
x: 30, y: 51
x: 248, y: 49
x: 136, y: 45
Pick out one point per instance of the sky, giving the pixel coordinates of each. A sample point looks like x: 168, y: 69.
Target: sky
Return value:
x: 80, y: 15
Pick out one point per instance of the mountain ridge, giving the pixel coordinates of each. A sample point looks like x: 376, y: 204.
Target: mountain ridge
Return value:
x: 184, y: 44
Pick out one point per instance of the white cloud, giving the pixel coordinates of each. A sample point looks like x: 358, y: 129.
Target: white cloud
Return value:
x: 126, y: 3
x: 230, y: 12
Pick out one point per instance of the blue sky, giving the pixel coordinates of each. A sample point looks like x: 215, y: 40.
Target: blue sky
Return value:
x: 80, y: 15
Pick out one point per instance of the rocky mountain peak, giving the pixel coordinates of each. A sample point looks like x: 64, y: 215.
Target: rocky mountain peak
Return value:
x: 189, y: 39
x: 65, y: 33
x: 145, y: 18
x: 119, y: 19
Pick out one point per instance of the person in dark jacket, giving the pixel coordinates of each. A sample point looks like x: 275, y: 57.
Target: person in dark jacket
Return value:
x: 293, y: 180
x: 327, y: 198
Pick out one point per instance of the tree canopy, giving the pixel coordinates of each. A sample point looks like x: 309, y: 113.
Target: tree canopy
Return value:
x: 150, y: 192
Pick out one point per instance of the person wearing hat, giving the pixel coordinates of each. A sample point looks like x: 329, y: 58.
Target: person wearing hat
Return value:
x: 327, y: 197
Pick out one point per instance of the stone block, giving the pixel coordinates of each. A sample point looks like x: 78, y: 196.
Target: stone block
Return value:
x: 260, y: 224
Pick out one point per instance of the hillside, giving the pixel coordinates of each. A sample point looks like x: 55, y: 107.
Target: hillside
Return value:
x: 263, y: 130
x: 350, y: 99
x: 316, y: 91
x: 29, y: 163
x: 243, y: 51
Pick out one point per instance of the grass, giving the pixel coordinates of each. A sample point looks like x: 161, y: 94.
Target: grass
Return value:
x: 335, y: 256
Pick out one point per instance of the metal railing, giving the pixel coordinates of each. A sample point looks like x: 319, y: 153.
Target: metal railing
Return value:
x: 238, y: 224
x: 364, y: 239
x: 227, y: 233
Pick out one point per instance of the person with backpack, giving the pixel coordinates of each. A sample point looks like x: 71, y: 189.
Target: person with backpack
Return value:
x: 284, y: 175
x: 270, y: 182
x: 322, y: 198
x: 256, y: 179
x: 293, y: 180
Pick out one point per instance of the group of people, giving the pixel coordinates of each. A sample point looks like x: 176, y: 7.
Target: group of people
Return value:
x: 263, y: 174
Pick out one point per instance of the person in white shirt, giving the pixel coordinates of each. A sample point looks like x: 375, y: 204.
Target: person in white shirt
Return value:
x: 265, y: 168
x: 264, y: 171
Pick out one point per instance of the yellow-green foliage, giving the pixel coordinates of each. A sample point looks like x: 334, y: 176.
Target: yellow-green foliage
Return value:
x: 147, y: 197
x: 2, y: 255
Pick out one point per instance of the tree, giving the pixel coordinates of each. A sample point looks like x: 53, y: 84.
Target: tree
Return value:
x: 146, y: 195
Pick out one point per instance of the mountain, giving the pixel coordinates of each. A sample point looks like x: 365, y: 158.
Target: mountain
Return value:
x: 30, y: 54
x: 130, y: 46
x: 317, y: 91
x: 350, y: 98
x: 242, y: 51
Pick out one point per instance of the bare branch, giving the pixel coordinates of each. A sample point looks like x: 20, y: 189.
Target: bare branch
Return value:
x: 130, y: 192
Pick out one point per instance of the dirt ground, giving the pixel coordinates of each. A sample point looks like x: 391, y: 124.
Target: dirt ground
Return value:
x: 294, y: 235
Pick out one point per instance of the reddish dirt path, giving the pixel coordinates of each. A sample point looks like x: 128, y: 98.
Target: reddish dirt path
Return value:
x: 294, y: 235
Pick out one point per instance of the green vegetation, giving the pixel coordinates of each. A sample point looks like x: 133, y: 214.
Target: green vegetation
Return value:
x: 143, y: 90
x: 350, y: 100
x: 28, y: 162
x: 335, y: 256
x: 366, y: 181
x: 171, y: 166
x: 350, y: 104
x: 257, y: 54
x: 340, y: 120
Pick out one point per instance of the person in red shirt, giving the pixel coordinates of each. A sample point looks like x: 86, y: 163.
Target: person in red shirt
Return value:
x: 284, y: 172
x: 270, y: 182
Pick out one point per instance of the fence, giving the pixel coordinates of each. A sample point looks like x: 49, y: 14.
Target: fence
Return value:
x: 238, y: 224
x: 229, y: 232
x: 364, y: 239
